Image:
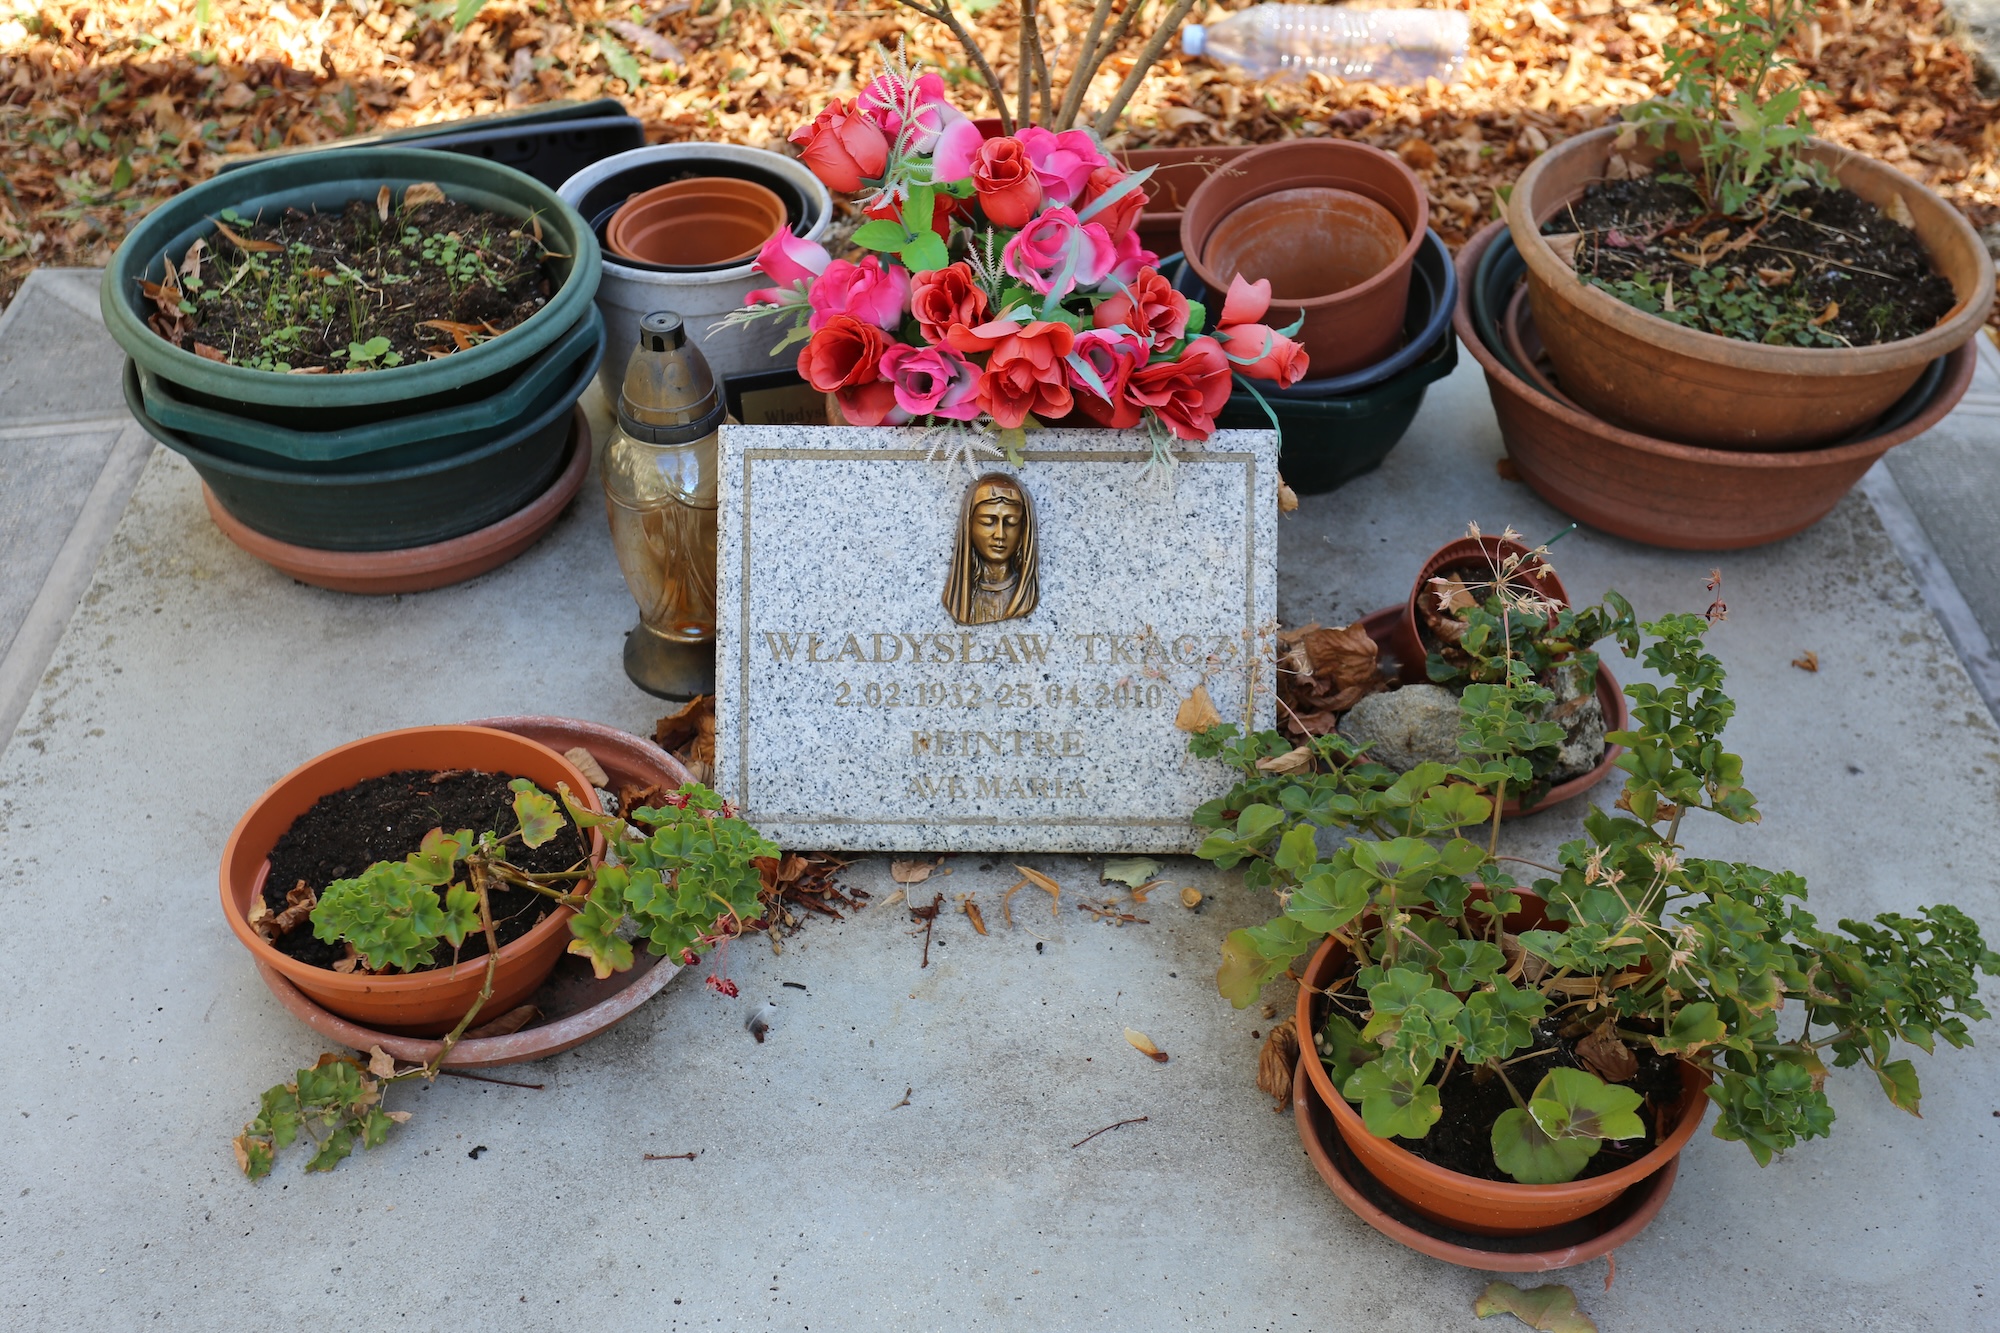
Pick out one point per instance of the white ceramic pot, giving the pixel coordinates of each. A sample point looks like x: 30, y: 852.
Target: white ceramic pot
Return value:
x: 626, y: 295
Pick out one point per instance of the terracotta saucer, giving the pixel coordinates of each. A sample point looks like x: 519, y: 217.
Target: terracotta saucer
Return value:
x: 575, y: 1005
x: 420, y: 568
x: 1381, y: 624
x: 1577, y: 1242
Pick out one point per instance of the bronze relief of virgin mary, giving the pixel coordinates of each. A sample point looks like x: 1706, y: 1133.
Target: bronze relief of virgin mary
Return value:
x: 993, y: 571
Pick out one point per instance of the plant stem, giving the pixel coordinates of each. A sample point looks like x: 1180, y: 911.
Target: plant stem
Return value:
x: 1083, y: 70
x: 941, y: 12
x: 1148, y: 55
x: 1512, y: 1091
x: 476, y: 870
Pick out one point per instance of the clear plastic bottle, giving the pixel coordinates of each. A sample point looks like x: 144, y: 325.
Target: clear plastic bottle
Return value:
x: 660, y: 475
x: 1395, y: 46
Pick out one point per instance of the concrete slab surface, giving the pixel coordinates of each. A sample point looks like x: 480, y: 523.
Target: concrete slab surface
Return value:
x: 56, y: 362
x: 138, y: 1037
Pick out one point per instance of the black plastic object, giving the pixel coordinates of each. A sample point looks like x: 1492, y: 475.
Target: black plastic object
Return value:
x: 421, y: 437
x: 608, y: 195
x: 1433, y: 294
x: 1501, y: 269
x: 773, y: 398
x: 396, y: 508
x: 1327, y: 442
x: 551, y: 142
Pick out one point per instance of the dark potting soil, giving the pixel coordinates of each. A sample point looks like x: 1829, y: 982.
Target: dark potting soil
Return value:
x: 1824, y: 268
x: 1462, y: 1138
x: 385, y: 819
x: 352, y: 291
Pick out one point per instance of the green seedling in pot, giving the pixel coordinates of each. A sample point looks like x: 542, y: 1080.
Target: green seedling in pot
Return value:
x: 680, y: 875
x: 1646, y: 948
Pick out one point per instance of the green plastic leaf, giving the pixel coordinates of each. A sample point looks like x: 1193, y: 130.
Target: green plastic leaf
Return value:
x: 926, y: 254
x: 1574, y: 1103
x: 1523, y: 1151
x: 536, y: 810
x: 1550, y: 1307
x: 1395, y: 1100
x: 881, y: 234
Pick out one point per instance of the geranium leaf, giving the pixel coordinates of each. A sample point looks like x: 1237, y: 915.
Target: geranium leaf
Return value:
x: 536, y: 810
x: 1551, y: 1307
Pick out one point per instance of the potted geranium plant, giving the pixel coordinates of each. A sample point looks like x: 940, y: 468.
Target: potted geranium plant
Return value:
x: 1505, y: 1058
x: 1710, y: 274
x: 1002, y: 285
x: 682, y: 877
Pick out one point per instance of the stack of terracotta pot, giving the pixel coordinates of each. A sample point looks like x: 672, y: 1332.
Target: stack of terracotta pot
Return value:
x: 1675, y: 437
x: 702, y: 222
x: 1341, y: 231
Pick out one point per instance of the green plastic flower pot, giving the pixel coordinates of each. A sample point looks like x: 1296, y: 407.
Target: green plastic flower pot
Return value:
x: 328, y: 181
x: 1327, y: 442
x: 394, y: 508
x: 422, y: 437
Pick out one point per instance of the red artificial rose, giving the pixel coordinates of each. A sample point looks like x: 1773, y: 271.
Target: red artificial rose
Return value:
x: 944, y: 297
x: 843, y: 147
x: 870, y: 404
x: 842, y: 354
x: 1009, y: 192
x: 1153, y: 310
x: 1185, y: 393
x: 1025, y: 371
x: 1119, y: 216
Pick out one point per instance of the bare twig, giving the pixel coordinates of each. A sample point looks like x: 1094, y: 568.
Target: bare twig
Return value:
x: 1033, y: 18
x: 1104, y: 50
x: 1148, y: 55
x: 667, y: 1157
x: 488, y: 1078
x: 1024, y: 64
x: 940, y: 11
x: 1135, y: 1120
x: 1083, y: 70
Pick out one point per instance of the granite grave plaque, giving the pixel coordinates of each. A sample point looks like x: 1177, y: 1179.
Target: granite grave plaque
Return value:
x: 914, y: 656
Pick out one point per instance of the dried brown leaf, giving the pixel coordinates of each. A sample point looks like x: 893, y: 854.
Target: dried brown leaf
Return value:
x: 207, y: 353
x: 586, y: 764
x: 1143, y: 1044
x: 423, y: 192
x: 245, y: 243
x: 1276, y: 1062
x: 1606, y: 1055
x: 1046, y: 885
x: 510, y: 1022
x: 913, y: 872
x: 1344, y: 657
x: 382, y: 197
x: 1197, y: 712
x: 1293, y: 761
x: 1807, y: 661
x: 1190, y: 898
x: 973, y: 914
x: 1828, y: 315
x: 1288, y: 499
x: 380, y: 1063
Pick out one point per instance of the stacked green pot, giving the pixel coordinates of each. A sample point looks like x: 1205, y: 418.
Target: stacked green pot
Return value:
x: 386, y: 459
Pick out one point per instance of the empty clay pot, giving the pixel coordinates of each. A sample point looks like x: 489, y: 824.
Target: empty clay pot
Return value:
x: 423, y: 1004
x: 705, y: 220
x: 1651, y: 376
x: 1665, y: 494
x: 1307, y: 242
x: 1350, y: 323
x: 1177, y: 174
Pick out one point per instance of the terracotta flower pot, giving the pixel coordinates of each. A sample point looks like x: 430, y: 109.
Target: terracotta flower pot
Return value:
x: 1674, y: 495
x: 1348, y: 324
x: 1471, y: 1203
x: 704, y: 220
x: 424, y: 1004
x: 1652, y: 376
x: 1483, y: 553
x: 1177, y: 174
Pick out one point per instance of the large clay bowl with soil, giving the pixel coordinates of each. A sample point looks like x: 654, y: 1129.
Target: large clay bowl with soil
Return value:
x: 1674, y: 495
x: 328, y: 182
x: 1651, y: 376
x: 573, y: 1005
x: 1472, y: 1203
x: 419, y: 568
x: 1384, y: 624
x: 1349, y: 324
x: 1589, y: 1237
x: 428, y: 1003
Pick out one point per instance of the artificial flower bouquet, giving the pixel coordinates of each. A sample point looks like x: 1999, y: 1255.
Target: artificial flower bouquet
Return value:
x: 1053, y: 307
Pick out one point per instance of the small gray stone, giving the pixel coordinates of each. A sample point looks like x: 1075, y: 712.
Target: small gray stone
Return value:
x: 1414, y: 725
x: 1583, y: 725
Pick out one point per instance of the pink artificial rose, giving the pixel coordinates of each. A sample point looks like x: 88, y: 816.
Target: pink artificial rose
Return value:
x: 957, y: 145
x: 1260, y: 350
x: 887, y: 98
x: 944, y: 297
x: 843, y: 147
x: 932, y: 381
x: 1129, y: 258
x: 1149, y: 307
x: 1055, y: 254
x: 786, y: 259
x: 1063, y: 162
x: 1187, y: 392
x: 1112, y: 357
x: 1025, y: 369
x: 871, y: 291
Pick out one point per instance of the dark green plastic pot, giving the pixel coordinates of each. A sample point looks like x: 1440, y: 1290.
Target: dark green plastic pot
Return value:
x: 423, y: 437
x: 395, y: 508
x: 1328, y: 442
x: 328, y: 181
